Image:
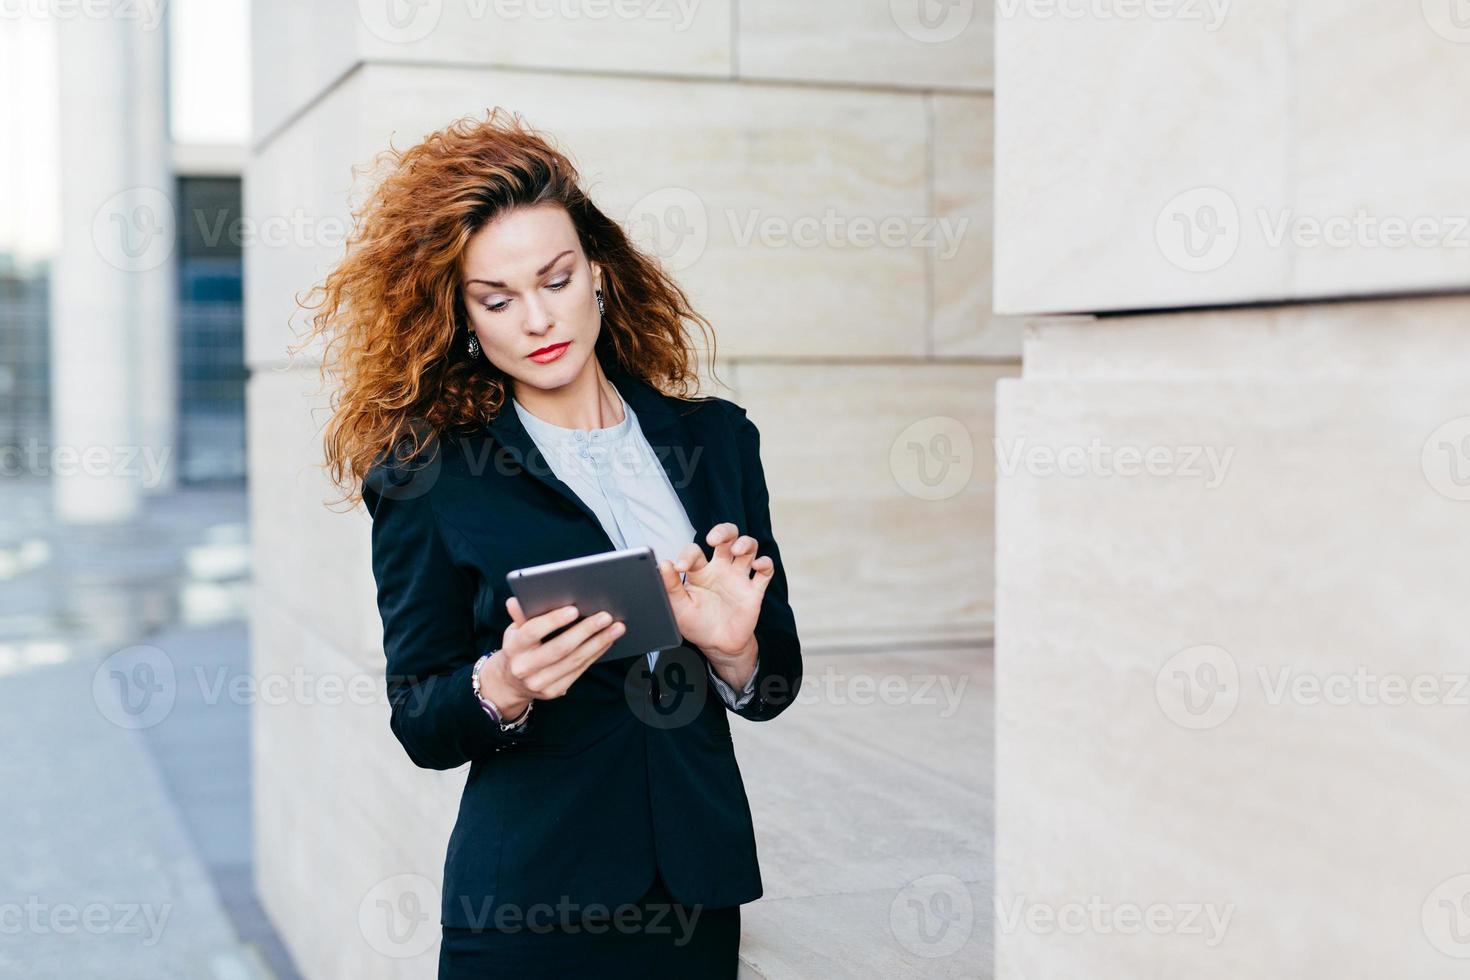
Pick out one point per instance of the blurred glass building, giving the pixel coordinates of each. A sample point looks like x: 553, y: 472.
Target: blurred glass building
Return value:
x: 24, y: 408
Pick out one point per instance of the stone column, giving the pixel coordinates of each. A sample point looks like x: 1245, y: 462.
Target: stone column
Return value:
x: 156, y: 284
x: 106, y: 230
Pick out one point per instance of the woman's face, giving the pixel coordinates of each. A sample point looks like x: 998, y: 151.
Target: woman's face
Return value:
x: 527, y: 286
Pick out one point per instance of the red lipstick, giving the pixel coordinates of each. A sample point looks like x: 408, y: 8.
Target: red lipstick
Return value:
x: 546, y: 355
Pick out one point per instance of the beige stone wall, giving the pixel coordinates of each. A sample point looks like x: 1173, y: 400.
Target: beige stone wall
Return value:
x: 1300, y: 526
x: 828, y: 167
x: 1204, y: 155
x: 1231, y: 542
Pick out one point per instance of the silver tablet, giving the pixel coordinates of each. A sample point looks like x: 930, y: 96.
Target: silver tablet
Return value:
x: 625, y: 583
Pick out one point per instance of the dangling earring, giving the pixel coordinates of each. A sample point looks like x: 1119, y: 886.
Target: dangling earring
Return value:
x: 601, y: 308
x: 473, y: 346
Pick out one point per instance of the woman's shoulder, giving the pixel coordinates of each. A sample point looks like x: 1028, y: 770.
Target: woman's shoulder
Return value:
x: 724, y: 420
x: 730, y: 414
x: 708, y: 409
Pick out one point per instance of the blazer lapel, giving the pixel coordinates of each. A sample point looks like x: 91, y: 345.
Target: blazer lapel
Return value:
x: 522, y: 451
x: 667, y: 434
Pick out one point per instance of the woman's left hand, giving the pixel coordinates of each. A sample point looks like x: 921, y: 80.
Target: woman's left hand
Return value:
x: 718, y: 603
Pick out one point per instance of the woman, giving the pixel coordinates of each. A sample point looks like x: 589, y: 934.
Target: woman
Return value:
x: 513, y: 384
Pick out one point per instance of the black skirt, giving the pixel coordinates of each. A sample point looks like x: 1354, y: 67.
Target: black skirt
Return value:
x: 655, y: 938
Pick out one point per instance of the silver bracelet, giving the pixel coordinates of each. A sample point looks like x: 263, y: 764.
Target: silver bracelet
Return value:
x: 490, y: 706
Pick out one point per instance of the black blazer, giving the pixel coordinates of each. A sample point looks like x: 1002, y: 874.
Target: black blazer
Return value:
x: 624, y: 774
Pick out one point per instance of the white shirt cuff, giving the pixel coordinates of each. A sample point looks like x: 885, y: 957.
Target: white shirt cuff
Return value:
x: 728, y: 693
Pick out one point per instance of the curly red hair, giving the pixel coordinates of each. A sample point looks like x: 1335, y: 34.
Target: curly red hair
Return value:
x: 392, y: 317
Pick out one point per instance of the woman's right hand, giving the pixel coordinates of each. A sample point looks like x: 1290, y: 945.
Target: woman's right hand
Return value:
x: 527, y: 666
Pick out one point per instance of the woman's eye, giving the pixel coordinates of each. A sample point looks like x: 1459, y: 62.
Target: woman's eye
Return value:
x: 500, y: 307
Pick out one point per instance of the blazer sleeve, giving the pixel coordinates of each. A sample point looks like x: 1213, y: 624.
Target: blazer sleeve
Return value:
x: 426, y: 602
x: 777, y: 676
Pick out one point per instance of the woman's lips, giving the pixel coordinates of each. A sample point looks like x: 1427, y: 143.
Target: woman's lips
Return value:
x: 551, y: 353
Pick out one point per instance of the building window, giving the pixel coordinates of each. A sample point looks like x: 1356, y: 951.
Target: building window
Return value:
x: 211, y: 331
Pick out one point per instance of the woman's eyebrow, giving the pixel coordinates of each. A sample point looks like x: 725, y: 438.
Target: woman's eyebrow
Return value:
x: 497, y: 284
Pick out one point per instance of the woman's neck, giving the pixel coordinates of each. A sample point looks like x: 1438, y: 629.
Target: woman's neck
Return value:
x: 588, y: 402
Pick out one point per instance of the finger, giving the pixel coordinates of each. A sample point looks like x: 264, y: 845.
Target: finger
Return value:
x: 669, y: 575
x: 566, y: 642
x: 537, y: 627
x: 723, y: 546
x: 690, y: 558
x: 721, y: 533
x: 765, y: 570
x: 547, y: 652
x: 555, y: 678
x: 517, y: 616
x: 743, y: 552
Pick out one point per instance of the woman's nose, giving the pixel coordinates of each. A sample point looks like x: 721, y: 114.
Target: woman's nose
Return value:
x: 538, y: 316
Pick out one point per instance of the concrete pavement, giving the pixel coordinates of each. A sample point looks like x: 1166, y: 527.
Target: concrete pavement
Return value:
x: 873, y: 806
